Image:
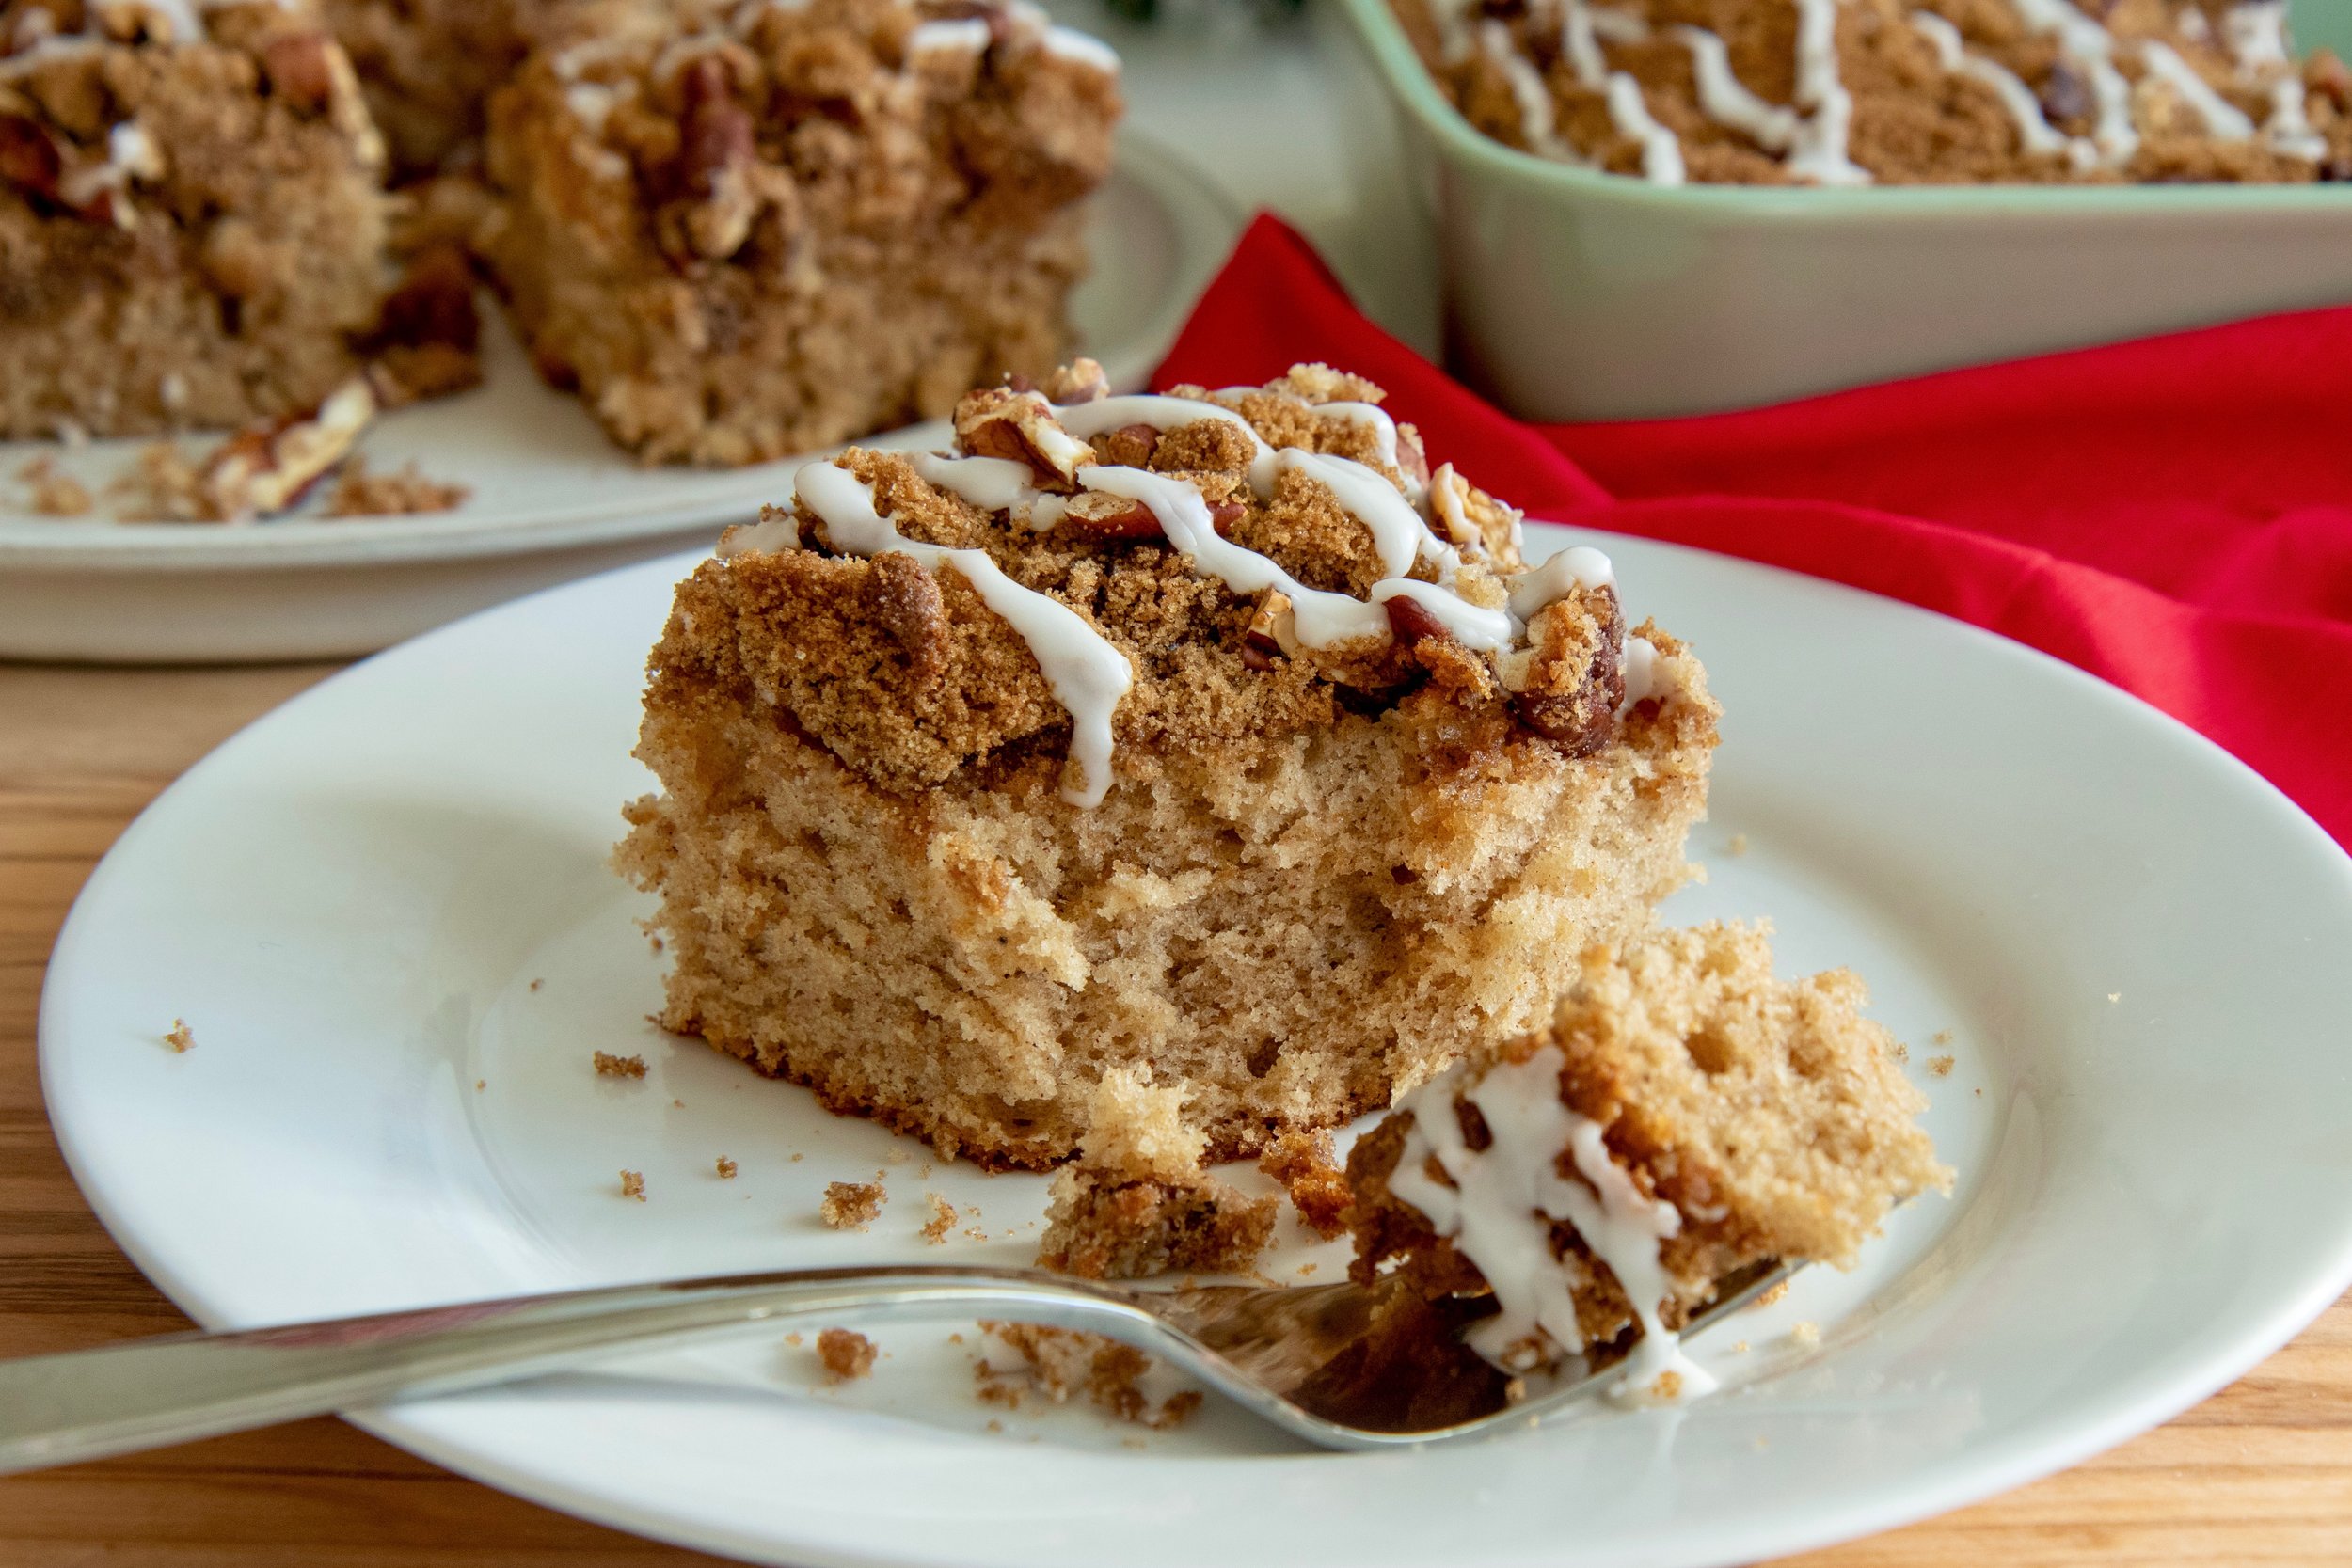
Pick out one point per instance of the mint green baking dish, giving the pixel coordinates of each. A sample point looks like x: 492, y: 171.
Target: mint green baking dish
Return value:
x: 1569, y: 294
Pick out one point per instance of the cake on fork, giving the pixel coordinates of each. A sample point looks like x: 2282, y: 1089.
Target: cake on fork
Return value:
x: 191, y: 215
x: 757, y: 229
x: 1209, y: 735
x: 1683, y: 1117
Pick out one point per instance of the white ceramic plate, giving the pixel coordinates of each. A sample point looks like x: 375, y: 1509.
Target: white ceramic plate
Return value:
x: 384, y: 912
x: 553, y: 499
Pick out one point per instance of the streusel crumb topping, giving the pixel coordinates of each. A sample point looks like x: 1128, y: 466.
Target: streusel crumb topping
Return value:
x: 1264, y: 560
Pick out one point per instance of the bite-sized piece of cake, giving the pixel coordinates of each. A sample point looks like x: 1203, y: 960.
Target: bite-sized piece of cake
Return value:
x: 760, y: 229
x: 191, y: 224
x: 428, y: 68
x: 1685, y: 1117
x: 1210, y: 733
x: 1854, y: 93
x: 1136, y: 1203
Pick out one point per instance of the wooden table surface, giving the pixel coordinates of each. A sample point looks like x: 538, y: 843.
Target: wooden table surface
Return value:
x: 2260, y: 1474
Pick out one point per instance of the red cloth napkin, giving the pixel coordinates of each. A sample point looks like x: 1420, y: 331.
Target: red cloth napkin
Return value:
x: 2172, y: 515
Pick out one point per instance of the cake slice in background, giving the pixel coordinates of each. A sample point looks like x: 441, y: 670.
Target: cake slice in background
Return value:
x: 191, y: 219
x: 1685, y: 1117
x: 1143, y: 734
x: 752, y: 229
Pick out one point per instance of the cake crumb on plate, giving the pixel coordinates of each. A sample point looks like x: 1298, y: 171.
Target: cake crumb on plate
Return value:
x: 634, y: 1184
x: 726, y: 1168
x: 179, y: 1036
x: 1063, y: 1364
x: 847, y: 1355
x: 942, y: 1221
x: 610, y: 1065
x: 851, y: 1204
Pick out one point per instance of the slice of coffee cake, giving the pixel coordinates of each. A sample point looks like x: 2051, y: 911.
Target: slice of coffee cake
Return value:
x: 1209, y: 733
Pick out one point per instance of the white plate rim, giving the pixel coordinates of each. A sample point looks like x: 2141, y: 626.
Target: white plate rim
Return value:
x: 2156, y: 1395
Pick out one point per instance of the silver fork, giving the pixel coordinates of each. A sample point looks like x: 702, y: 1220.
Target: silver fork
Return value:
x: 1308, y: 1359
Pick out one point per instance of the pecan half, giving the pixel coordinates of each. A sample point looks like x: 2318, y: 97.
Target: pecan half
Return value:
x: 1099, y: 517
x: 1575, y: 680
x: 1130, y: 446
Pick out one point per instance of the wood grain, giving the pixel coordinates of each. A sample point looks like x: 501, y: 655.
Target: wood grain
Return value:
x: 2260, y: 1474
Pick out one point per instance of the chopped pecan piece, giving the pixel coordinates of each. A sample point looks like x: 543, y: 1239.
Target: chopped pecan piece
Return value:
x: 1273, y: 632
x: 270, y: 468
x: 1411, y: 621
x: 1096, y: 517
x: 1080, y: 381
x: 1130, y: 446
x: 999, y: 422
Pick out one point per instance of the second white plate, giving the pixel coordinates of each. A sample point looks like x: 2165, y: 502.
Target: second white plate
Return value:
x: 385, y: 914
x: 551, y: 498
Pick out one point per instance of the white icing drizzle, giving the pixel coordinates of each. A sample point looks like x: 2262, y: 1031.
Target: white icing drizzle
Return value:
x: 2035, y: 132
x: 1536, y: 123
x: 1068, y: 43
x: 1639, y: 662
x: 1726, y: 101
x: 2289, y: 128
x: 1087, y: 421
x: 2223, y: 119
x: 968, y: 34
x: 1476, y: 627
x: 1618, y: 26
x: 1399, y: 536
x: 2256, y: 33
x: 990, y: 484
x: 780, y: 530
x: 1819, y: 153
x: 2257, y: 36
x: 1089, y: 676
x: 1580, y: 46
x: 2089, y: 48
x: 1323, y: 619
x: 1562, y: 573
x: 1661, y: 151
x: 1372, y: 414
x: 1499, y: 1204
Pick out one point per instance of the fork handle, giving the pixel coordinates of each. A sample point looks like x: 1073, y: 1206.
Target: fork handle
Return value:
x: 177, y: 1388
